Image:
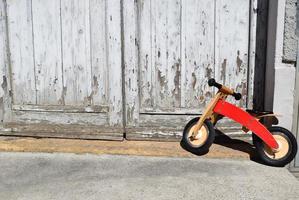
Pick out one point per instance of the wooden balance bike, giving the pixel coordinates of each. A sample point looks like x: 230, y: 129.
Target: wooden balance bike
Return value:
x: 275, y: 145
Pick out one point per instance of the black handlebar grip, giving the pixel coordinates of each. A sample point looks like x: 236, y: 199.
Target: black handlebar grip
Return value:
x: 212, y: 82
x: 237, y: 96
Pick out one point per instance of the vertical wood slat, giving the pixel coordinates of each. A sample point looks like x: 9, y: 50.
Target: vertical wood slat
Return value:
x: 76, y: 52
x: 130, y: 62
x: 114, y: 62
x: 232, y: 40
x: 183, y: 53
x: 167, y: 54
x: 159, y: 53
x: 252, y: 54
x: 5, y: 68
x: 145, y: 39
x: 21, y: 49
x: 47, y: 51
x: 99, y: 63
x: 3, y: 57
x: 3, y: 51
x: 198, y: 52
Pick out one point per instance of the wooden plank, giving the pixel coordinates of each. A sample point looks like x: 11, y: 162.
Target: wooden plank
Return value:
x: 152, y: 127
x: 3, y: 49
x: 175, y: 135
x: 186, y: 111
x: 154, y: 134
x: 114, y: 62
x: 198, y: 52
x: 65, y: 109
x: 36, y: 117
x: 159, y: 49
x: 179, y: 121
x: 75, y: 24
x: 99, y: 65
x: 165, y: 121
x: 252, y: 54
x: 167, y: 53
x: 3, y: 57
x: 145, y: 39
x: 47, y: 51
x: 131, y: 62
x: 62, y: 131
x: 184, y: 11
x: 232, y: 40
x: 21, y: 51
x: 5, y: 68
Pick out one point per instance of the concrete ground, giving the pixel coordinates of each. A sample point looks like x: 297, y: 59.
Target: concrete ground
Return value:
x: 229, y: 171
x: 69, y: 176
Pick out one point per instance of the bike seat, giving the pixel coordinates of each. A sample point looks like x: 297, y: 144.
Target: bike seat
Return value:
x: 263, y: 115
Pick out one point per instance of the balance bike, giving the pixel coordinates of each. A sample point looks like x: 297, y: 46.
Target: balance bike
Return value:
x: 275, y: 145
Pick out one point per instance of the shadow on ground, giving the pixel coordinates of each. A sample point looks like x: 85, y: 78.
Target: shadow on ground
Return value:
x: 236, y: 144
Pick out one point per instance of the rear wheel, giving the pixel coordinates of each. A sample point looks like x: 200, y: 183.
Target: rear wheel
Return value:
x: 284, y: 154
x: 204, y: 139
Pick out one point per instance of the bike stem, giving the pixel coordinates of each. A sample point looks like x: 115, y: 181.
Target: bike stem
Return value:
x: 207, y: 113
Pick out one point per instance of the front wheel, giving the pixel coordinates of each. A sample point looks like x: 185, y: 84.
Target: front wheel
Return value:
x: 205, y: 137
x: 286, y: 151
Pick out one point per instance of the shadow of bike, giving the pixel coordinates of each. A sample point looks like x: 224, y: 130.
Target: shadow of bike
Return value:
x: 236, y: 144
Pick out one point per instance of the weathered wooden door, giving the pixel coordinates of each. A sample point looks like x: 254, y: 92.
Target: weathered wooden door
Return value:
x: 172, y: 48
x: 64, y: 63
x: 62, y: 72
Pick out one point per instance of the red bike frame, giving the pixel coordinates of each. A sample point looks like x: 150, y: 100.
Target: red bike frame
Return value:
x: 233, y: 112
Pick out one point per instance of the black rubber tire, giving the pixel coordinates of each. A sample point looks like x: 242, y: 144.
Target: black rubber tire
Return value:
x: 259, y: 144
x: 205, y: 147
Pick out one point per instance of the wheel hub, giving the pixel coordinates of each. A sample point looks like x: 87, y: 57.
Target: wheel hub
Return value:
x: 281, y: 151
x: 200, y: 137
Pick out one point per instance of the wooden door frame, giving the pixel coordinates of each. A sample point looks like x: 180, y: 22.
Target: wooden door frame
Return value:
x: 261, y: 55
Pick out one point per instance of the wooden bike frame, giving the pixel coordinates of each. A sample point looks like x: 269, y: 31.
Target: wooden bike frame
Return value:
x: 218, y: 106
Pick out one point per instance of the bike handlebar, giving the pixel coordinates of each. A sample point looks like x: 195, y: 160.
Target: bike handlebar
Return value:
x: 224, y: 89
x: 212, y: 82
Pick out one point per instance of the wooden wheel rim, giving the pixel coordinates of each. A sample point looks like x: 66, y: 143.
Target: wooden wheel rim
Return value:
x: 282, y: 151
x: 201, y: 137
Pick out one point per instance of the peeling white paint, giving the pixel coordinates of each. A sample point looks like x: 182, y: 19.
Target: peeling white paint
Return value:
x: 67, y: 54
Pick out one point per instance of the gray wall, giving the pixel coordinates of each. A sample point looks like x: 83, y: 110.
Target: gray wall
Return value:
x: 284, y: 70
x: 290, y: 38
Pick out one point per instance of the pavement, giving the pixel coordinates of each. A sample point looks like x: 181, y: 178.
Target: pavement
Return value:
x: 61, y: 176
